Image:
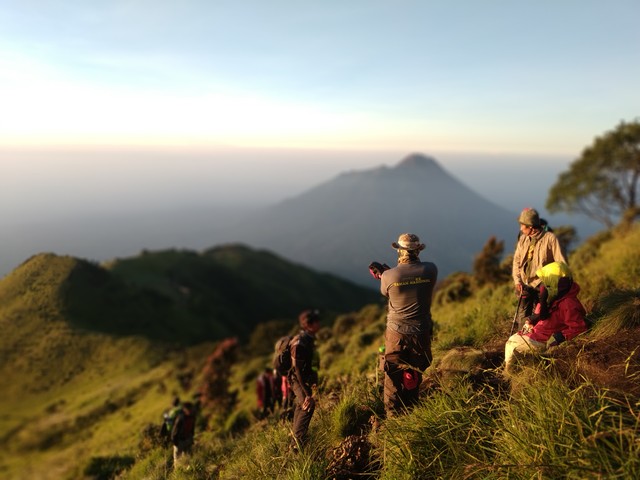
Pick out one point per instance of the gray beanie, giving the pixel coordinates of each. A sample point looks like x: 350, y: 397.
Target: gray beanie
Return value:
x: 529, y: 217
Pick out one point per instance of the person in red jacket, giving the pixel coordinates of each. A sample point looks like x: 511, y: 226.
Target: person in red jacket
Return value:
x: 264, y: 391
x: 182, y: 433
x: 559, y: 315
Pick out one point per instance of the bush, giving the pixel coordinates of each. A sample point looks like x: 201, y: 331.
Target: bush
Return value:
x: 616, y: 311
x: 107, y: 468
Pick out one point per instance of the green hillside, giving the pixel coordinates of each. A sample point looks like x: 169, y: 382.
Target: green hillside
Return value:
x: 85, y: 388
x: 178, y: 296
x: 91, y: 353
x: 69, y: 393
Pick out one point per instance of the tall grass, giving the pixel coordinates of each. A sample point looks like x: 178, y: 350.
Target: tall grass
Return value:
x: 606, y: 262
x: 545, y: 430
x: 617, y: 311
x: 264, y: 453
x: 550, y: 431
x: 439, y: 438
x: 476, y: 320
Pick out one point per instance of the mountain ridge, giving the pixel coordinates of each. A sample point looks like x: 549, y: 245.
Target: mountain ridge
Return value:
x: 341, y: 225
x: 177, y: 296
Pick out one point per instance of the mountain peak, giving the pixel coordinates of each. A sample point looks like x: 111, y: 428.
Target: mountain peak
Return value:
x: 415, y: 160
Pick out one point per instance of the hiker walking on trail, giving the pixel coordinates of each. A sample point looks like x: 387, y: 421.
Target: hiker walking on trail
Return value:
x: 409, y: 288
x: 277, y: 388
x: 558, y: 317
x: 536, y: 248
x: 168, y: 418
x: 182, y: 433
x: 302, y: 377
x: 265, y: 393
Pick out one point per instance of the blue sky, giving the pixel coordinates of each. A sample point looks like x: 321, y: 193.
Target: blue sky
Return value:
x: 507, y: 76
x: 274, y: 96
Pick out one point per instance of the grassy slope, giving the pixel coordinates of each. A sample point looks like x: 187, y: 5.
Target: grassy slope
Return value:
x: 459, y: 425
x: 102, y: 390
x: 85, y: 359
x: 101, y: 411
x: 69, y: 394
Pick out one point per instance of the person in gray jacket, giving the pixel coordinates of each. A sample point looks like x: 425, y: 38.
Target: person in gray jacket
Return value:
x: 409, y: 288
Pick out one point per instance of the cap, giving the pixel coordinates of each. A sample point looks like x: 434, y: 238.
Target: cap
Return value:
x: 529, y: 217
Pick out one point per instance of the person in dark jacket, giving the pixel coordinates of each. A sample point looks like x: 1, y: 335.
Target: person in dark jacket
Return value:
x: 409, y: 288
x: 183, y: 432
x: 303, y: 378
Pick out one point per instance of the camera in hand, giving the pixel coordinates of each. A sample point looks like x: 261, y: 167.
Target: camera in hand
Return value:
x: 377, y: 268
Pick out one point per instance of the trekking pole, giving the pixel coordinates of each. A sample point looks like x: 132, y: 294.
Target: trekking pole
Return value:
x: 515, y: 317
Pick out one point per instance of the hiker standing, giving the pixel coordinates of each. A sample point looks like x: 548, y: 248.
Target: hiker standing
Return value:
x: 302, y: 378
x: 168, y: 418
x: 409, y: 288
x: 287, y: 400
x: 559, y: 316
x: 183, y: 432
x: 536, y: 248
x: 276, y: 387
x: 264, y: 390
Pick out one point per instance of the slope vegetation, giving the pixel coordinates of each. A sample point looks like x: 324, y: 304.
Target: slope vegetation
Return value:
x: 91, y: 355
x: 571, y: 413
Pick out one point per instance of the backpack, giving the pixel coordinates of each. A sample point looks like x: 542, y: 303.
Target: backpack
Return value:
x: 183, y: 427
x: 282, y: 355
x: 169, y: 417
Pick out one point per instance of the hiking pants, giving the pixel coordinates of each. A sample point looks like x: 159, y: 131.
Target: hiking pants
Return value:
x: 402, y: 352
x: 301, y: 418
x: 181, y: 451
x: 518, y: 345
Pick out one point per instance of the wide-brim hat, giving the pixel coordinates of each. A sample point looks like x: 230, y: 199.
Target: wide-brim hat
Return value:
x: 408, y: 241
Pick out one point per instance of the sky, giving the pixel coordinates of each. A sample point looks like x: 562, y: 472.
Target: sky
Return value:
x: 109, y: 105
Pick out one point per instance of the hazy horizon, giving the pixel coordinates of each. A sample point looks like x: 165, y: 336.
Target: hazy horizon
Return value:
x: 128, y: 201
x: 41, y: 184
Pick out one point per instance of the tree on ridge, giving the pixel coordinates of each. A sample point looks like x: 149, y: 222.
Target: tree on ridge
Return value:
x: 603, y: 182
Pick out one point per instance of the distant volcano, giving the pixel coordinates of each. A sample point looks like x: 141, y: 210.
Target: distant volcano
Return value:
x: 343, y: 224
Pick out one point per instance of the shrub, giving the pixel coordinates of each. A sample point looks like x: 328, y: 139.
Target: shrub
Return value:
x: 106, y: 468
x: 616, y: 311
